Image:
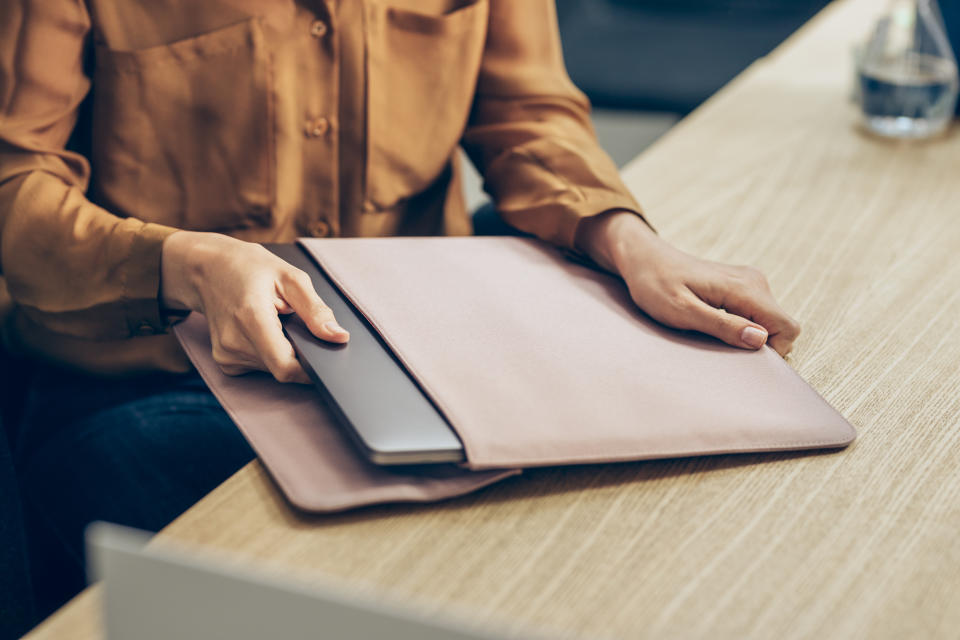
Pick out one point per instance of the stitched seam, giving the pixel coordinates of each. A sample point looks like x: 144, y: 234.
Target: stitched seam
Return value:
x: 766, y: 447
x: 170, y: 54
x: 271, y: 121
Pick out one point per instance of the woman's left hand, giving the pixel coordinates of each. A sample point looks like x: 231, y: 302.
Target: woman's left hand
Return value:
x: 732, y: 303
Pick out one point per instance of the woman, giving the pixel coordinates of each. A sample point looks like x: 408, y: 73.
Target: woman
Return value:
x: 195, y: 130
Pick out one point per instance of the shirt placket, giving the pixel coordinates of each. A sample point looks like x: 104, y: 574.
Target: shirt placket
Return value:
x: 321, y: 126
x: 353, y: 110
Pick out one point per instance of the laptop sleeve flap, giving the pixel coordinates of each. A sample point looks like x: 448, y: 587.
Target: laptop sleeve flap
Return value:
x: 305, y: 451
x: 536, y: 360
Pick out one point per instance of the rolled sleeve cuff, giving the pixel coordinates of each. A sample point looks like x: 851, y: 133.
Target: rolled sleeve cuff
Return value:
x: 547, y: 187
x: 141, y: 284
x: 557, y: 222
x: 592, y: 207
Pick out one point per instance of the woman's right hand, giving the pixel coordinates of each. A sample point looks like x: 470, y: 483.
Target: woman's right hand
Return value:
x: 242, y: 289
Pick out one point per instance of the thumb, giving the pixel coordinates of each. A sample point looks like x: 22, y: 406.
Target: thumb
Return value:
x: 299, y: 294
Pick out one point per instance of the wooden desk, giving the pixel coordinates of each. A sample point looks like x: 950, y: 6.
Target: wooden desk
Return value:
x: 861, y: 241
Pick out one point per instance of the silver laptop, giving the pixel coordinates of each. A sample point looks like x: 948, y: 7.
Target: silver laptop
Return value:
x: 155, y: 593
x: 380, y: 406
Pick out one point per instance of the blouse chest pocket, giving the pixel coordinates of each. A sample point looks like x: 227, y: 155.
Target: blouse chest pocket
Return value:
x: 184, y: 132
x: 421, y: 75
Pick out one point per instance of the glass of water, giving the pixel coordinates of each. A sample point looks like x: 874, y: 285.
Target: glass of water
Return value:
x: 907, y: 72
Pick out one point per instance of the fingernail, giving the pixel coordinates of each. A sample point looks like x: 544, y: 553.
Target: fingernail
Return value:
x: 333, y: 327
x: 753, y: 337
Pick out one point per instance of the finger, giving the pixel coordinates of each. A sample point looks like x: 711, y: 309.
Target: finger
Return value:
x: 733, y: 329
x: 781, y: 343
x: 265, y: 333
x: 746, y: 293
x: 763, y: 309
x: 283, y: 308
x: 298, y: 292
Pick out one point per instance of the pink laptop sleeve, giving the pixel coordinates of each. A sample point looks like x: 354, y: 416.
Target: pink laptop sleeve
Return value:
x: 534, y: 360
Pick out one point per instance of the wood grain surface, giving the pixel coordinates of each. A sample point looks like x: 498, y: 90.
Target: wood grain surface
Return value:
x: 860, y: 239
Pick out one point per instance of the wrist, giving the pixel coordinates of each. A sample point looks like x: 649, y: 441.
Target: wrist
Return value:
x: 179, y: 273
x: 613, y: 238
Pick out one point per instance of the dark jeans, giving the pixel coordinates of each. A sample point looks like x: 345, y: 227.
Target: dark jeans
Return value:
x: 137, y: 452
x: 16, y: 600
x: 487, y: 222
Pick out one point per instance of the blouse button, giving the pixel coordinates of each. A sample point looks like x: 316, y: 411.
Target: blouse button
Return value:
x: 316, y: 128
x: 318, y: 29
x: 320, y: 229
x: 145, y: 329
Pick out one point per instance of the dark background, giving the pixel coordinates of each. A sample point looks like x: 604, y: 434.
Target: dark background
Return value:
x: 671, y: 55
